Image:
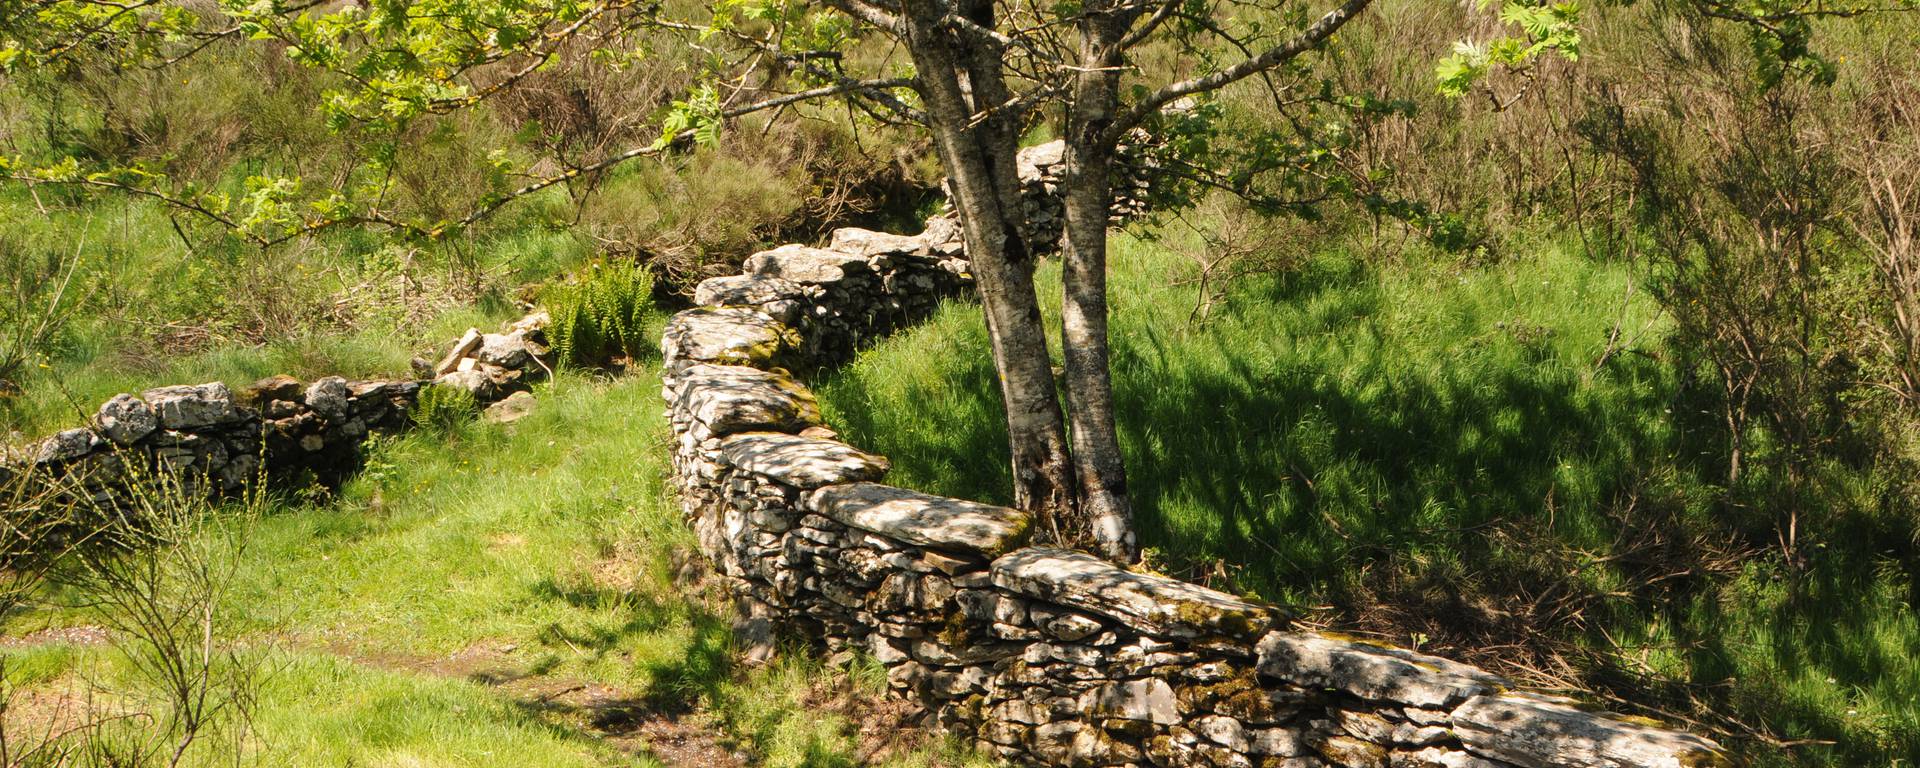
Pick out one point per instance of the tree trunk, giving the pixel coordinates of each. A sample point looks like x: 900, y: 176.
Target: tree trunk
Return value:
x: 980, y: 165
x: 1104, y: 515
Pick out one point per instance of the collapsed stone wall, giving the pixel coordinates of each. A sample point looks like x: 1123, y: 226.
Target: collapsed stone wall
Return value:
x: 1049, y: 657
x: 209, y: 439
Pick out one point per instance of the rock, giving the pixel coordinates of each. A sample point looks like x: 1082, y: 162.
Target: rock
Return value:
x: 728, y: 399
x: 505, y: 350
x: 1225, y: 731
x: 192, y: 406
x: 532, y: 323
x: 468, y: 342
x: 1278, y: 742
x: 271, y: 389
x: 1150, y: 699
x: 125, y: 419
x: 801, y: 462
x: 726, y: 336
x: 422, y: 367
x: 802, y: 264
x: 514, y: 408
x: 928, y: 521
x: 1070, y: 627
x: 1349, y: 752
x: 1439, y: 757
x: 1153, y: 604
x: 66, y: 446
x: 1537, y: 731
x: 1371, y: 671
x: 866, y: 242
x: 747, y: 291
x: 328, y: 397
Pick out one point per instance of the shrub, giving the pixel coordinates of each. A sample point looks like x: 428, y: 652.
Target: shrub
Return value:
x: 443, y: 408
x: 601, y: 314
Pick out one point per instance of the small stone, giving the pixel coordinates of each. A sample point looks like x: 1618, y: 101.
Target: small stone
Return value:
x: 1278, y: 742
x: 515, y: 407
x: 1150, y: 699
x: 328, y: 397
x: 1349, y: 752
x: 66, y: 445
x: 1070, y: 626
x: 1225, y: 731
x: 125, y: 419
x: 468, y: 342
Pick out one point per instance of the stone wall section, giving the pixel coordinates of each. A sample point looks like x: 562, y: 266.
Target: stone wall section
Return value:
x: 210, y: 439
x: 1042, y: 656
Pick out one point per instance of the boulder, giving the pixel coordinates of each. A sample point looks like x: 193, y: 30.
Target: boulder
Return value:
x: 507, y: 350
x: 515, y: 407
x: 802, y: 264
x: 917, y: 518
x: 1150, y: 603
x: 726, y: 336
x: 1536, y: 731
x: 125, y: 419
x: 1369, y: 671
x: 189, y: 406
x: 801, y: 462
x: 730, y: 399
x: 866, y: 242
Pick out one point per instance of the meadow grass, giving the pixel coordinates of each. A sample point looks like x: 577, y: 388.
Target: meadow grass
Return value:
x: 415, y: 618
x: 1454, y: 456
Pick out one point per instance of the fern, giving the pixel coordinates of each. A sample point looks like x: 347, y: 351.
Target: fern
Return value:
x: 601, y: 314
x: 443, y: 409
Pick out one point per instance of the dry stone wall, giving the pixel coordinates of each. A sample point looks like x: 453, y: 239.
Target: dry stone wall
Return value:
x: 210, y: 439
x: 1043, y: 656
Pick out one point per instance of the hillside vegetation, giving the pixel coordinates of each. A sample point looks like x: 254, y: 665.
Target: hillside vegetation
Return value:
x: 1605, y: 376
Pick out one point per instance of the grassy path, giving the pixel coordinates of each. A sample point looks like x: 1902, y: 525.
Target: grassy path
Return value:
x: 505, y: 594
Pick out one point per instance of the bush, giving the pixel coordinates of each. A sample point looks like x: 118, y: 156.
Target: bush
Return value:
x: 602, y: 314
x: 443, y: 408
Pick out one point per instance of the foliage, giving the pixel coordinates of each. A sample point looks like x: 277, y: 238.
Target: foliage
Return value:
x: 443, y: 409
x: 602, y: 312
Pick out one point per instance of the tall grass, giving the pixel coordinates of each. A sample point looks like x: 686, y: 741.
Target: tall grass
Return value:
x: 1500, y: 457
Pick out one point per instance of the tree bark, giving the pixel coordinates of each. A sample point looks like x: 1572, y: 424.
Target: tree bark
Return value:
x: 1104, y: 514
x: 955, y: 77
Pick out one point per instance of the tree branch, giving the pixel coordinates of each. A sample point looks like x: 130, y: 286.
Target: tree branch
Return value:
x: 1308, y: 38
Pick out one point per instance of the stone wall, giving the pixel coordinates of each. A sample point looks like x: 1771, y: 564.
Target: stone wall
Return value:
x: 211, y: 439
x: 1043, y: 656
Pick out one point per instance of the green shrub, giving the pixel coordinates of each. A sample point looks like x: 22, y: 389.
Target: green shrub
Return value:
x: 443, y: 408
x: 601, y: 314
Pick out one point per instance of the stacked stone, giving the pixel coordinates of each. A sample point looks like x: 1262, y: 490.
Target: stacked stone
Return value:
x: 494, y: 366
x: 861, y: 287
x: 208, y: 439
x: 1041, y: 168
x: 1048, y: 657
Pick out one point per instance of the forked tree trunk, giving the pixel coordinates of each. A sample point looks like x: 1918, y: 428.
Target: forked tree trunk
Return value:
x: 980, y: 165
x: 1104, y: 515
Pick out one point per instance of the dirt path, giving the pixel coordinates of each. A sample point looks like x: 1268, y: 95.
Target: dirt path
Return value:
x: 619, y: 718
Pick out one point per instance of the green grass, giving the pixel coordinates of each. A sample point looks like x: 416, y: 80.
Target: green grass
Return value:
x: 1449, y: 455
x: 411, y: 619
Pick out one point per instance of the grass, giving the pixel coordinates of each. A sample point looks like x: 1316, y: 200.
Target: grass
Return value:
x: 438, y: 611
x: 1502, y: 456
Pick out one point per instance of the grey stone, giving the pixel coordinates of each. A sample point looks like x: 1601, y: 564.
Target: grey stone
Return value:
x: 866, y: 242
x: 66, y: 445
x: 507, y: 350
x: 802, y: 264
x: 729, y: 399
x: 923, y: 520
x: 1371, y: 671
x: 125, y: 419
x: 801, y: 462
x: 727, y: 336
x: 1069, y: 626
x: 1439, y: 757
x: 328, y: 397
x: 189, y: 406
x: 1150, y: 603
x: 1225, y: 731
x: 1278, y: 742
x: 1150, y: 699
x: 1349, y: 752
x: 781, y: 299
x: 1540, y: 731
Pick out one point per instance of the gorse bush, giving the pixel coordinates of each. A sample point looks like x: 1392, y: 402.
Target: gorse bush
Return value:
x: 442, y: 409
x: 601, y: 314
